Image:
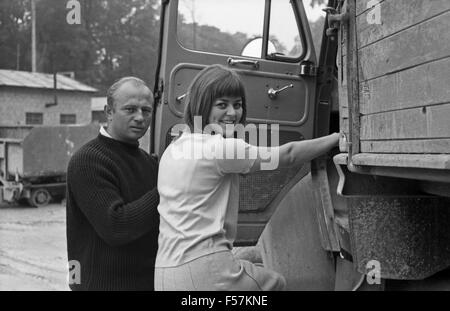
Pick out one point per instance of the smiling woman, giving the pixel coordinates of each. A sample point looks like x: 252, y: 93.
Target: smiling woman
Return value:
x: 199, y: 193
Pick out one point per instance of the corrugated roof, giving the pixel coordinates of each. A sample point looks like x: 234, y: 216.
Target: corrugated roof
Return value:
x: 41, y: 80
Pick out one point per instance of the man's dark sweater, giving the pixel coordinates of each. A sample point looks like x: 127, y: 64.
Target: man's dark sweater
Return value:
x: 112, y: 218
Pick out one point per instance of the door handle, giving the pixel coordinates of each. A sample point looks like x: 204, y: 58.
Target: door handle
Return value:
x: 274, y: 93
x: 180, y: 98
x: 245, y: 62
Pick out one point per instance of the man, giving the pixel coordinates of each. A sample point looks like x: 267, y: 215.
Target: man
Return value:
x: 112, y: 218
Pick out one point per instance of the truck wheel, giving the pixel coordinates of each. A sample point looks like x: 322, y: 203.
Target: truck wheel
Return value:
x: 40, y: 197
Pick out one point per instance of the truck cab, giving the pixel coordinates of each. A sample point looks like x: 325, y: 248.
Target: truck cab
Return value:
x: 371, y: 214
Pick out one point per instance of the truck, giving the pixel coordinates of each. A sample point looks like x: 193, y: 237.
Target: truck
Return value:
x: 33, y: 162
x: 372, y: 214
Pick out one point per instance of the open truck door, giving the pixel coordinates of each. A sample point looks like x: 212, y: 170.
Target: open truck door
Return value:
x: 269, y: 44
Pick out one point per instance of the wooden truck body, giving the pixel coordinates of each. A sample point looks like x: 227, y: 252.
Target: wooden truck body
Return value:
x: 394, y: 107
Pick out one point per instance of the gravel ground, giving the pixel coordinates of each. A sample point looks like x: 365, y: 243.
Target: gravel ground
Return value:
x: 33, y: 248
x: 33, y: 255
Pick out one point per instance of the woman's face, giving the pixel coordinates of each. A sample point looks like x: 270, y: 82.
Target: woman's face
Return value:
x: 226, y: 112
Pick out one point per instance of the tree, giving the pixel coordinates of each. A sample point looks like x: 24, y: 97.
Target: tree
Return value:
x: 116, y: 38
x: 14, y: 34
x: 210, y: 38
x: 317, y: 2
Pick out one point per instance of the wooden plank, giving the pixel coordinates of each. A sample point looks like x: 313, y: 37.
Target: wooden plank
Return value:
x: 343, y: 92
x: 341, y: 61
x: 344, y: 125
x: 429, y: 146
x: 439, y: 120
x: 397, y: 15
x: 365, y: 5
x: 424, y: 85
x: 422, y: 43
x: 342, y: 80
x: 353, y: 82
x: 325, y: 212
x: 343, y: 112
x: 344, y: 128
x: 438, y: 161
x: 422, y: 123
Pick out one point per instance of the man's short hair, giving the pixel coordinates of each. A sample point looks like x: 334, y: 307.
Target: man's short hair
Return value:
x: 116, y: 85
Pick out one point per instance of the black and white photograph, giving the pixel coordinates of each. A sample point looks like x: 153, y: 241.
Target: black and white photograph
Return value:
x: 243, y: 146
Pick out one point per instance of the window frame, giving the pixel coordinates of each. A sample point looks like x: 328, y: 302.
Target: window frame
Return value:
x: 266, y: 34
x: 31, y: 116
x: 265, y: 37
x: 67, y: 115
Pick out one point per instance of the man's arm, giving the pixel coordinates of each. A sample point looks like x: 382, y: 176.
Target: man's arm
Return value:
x: 99, y: 198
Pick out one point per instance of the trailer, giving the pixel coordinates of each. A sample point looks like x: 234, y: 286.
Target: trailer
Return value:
x: 33, y: 168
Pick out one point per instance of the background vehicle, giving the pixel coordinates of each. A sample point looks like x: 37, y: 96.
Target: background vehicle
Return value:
x: 34, y: 168
x: 385, y: 86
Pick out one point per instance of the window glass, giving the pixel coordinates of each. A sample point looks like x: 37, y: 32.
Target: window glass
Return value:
x: 283, y: 30
x: 34, y: 118
x: 219, y: 26
x: 68, y: 119
x: 316, y: 19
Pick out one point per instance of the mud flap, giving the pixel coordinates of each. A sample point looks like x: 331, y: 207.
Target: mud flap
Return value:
x: 409, y: 236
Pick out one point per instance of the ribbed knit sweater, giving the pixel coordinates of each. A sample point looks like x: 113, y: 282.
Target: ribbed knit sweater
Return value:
x: 112, y: 218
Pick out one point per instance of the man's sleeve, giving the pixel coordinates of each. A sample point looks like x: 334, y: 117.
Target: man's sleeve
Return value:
x: 94, y: 188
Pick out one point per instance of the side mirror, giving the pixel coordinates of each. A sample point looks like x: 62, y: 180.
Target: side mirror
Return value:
x: 254, y: 46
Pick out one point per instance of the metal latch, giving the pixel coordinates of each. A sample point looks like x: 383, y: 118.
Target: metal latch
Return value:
x: 334, y: 21
x: 308, y: 69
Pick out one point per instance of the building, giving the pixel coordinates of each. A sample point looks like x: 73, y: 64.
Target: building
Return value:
x: 31, y: 99
x: 98, y: 109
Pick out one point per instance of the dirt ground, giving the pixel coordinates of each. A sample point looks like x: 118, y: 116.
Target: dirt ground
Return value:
x: 33, y: 248
x: 33, y: 252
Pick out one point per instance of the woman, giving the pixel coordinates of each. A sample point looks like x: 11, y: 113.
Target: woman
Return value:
x: 198, y: 185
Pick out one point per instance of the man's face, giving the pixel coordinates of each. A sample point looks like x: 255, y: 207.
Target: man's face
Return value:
x: 131, y: 115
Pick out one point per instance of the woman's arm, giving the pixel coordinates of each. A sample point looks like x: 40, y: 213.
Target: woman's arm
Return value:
x: 293, y: 153
x: 304, y: 151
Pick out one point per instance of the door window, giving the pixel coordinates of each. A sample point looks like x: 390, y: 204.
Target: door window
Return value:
x: 222, y: 27
x: 236, y: 27
x: 283, y: 31
x: 316, y: 19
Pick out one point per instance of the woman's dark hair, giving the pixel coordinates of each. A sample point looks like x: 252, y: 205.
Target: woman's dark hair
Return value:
x: 212, y: 82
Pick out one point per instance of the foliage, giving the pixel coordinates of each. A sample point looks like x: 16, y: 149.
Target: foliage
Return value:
x: 116, y: 38
x: 112, y: 41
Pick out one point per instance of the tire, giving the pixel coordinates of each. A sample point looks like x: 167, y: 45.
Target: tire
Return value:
x: 40, y: 197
